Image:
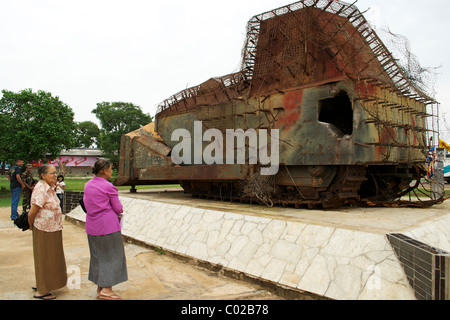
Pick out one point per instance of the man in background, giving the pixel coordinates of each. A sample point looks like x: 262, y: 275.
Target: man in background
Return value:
x: 27, y: 178
x: 16, y: 185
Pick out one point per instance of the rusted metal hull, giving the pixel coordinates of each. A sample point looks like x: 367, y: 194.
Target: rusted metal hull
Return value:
x: 312, y: 153
x: 347, y: 131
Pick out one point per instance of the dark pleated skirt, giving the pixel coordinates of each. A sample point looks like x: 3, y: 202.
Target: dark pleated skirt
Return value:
x: 49, y: 261
x: 108, y: 264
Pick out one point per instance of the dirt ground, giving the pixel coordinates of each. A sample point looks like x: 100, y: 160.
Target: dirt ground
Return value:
x: 151, y: 276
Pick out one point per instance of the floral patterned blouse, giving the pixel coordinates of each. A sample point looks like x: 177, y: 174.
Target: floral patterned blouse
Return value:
x: 49, y: 218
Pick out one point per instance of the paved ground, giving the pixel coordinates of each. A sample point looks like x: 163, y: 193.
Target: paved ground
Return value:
x: 152, y: 276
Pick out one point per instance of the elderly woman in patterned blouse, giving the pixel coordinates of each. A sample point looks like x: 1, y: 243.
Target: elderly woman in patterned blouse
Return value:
x: 45, y: 220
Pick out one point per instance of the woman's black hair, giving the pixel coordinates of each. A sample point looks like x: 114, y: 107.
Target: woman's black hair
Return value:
x: 100, y: 164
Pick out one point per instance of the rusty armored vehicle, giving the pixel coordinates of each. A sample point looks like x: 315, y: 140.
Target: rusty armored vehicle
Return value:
x: 339, y: 119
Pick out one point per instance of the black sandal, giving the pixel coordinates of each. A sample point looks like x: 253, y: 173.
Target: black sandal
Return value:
x: 44, y: 297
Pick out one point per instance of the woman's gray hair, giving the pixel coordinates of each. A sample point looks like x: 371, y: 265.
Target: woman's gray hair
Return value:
x: 43, y: 170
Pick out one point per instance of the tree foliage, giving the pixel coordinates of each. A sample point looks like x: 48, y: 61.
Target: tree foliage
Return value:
x: 86, y: 134
x: 117, y: 119
x: 33, y: 124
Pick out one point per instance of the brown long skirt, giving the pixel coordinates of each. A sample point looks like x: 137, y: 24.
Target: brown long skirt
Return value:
x: 49, y: 261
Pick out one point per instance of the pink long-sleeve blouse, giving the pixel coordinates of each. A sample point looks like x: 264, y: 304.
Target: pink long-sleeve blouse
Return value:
x: 101, y: 200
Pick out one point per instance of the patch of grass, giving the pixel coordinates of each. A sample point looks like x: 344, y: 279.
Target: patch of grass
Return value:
x: 77, y: 184
x: 5, y: 193
x: 159, y: 250
x: 73, y: 184
x: 5, y: 201
x: 4, y: 184
x: 5, y: 196
x: 426, y: 192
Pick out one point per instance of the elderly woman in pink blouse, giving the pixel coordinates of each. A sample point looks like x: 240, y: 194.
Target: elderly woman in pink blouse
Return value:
x: 45, y: 220
x: 103, y: 213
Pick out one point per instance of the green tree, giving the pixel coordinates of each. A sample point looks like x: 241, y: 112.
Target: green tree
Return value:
x: 86, y: 134
x: 117, y: 119
x: 33, y: 124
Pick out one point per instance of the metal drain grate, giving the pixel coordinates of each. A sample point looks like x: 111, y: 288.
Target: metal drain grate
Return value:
x: 427, y: 268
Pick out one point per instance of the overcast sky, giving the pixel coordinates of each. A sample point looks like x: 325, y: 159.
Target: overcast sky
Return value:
x: 142, y: 51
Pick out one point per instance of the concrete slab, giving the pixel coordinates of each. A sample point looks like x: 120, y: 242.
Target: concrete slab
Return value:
x: 373, y: 220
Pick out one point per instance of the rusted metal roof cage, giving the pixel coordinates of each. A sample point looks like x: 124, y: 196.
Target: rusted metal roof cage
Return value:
x: 218, y: 84
x: 398, y: 78
x: 390, y: 74
x: 352, y: 15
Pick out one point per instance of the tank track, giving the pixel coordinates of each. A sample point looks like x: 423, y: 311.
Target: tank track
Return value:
x: 344, y: 190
